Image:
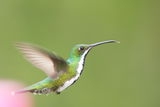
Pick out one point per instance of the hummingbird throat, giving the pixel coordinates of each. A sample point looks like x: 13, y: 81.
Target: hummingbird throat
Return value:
x: 78, y: 72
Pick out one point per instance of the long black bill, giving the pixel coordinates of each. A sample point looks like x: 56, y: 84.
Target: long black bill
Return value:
x: 104, y: 42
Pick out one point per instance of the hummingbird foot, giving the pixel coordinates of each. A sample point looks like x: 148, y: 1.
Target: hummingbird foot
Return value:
x: 58, y: 92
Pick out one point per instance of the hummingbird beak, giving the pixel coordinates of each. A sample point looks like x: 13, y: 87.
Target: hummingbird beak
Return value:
x: 104, y: 42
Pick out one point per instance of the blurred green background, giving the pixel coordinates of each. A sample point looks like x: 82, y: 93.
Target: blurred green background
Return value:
x: 115, y: 75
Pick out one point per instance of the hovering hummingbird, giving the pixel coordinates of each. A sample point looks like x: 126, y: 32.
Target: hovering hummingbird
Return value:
x: 61, y: 73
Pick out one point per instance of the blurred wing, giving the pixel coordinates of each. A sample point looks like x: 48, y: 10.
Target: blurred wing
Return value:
x: 48, y: 62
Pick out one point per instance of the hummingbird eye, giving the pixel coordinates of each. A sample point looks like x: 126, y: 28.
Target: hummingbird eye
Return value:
x: 81, y: 48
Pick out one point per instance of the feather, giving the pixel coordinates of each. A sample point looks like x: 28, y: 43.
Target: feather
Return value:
x: 48, y: 62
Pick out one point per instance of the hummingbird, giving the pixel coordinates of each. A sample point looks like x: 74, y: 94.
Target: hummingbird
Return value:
x: 60, y: 73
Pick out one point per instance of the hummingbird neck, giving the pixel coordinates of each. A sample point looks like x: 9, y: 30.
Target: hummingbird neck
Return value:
x: 77, y: 62
x: 73, y: 59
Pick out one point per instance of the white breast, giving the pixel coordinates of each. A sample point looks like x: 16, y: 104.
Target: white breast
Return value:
x: 79, y: 70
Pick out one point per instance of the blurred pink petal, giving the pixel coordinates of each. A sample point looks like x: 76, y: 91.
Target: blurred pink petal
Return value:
x: 9, y: 100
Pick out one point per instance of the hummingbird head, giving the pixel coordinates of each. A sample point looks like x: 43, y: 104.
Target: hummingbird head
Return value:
x: 83, y: 49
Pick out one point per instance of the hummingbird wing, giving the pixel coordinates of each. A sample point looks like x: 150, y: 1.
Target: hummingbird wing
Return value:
x: 48, y: 62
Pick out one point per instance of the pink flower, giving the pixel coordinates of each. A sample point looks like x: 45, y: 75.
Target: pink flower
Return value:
x: 9, y: 100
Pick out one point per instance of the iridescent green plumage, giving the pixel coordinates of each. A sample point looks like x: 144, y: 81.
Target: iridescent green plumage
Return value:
x: 61, y: 73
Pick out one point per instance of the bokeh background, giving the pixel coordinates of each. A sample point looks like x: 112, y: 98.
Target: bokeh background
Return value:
x: 115, y: 75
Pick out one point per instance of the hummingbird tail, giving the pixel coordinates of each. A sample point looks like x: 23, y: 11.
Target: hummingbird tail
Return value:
x: 21, y: 91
